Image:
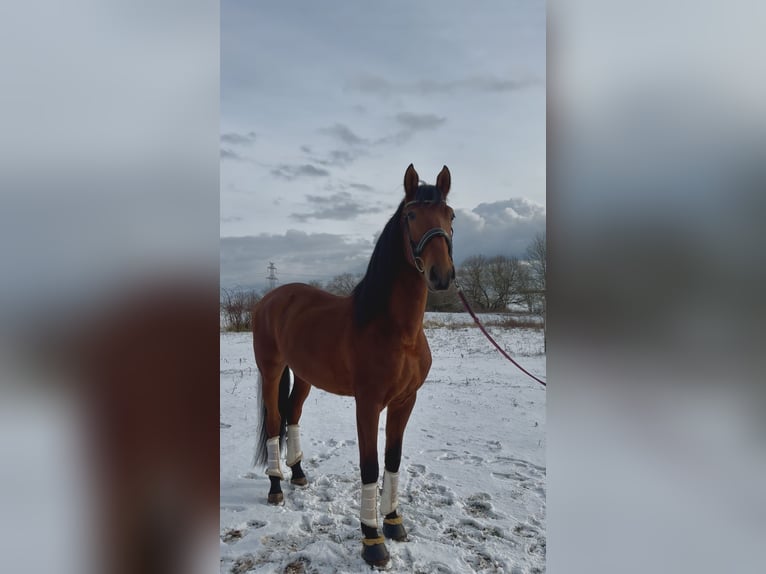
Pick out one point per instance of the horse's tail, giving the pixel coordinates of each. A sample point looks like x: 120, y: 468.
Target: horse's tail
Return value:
x: 261, y: 457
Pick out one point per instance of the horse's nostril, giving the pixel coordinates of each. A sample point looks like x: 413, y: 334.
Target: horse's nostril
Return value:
x: 437, y: 281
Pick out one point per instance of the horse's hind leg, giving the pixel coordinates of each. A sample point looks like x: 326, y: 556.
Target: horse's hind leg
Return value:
x: 294, y: 453
x: 275, y: 386
x: 396, y: 421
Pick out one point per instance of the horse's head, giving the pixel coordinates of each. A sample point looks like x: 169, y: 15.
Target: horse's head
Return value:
x: 427, y: 222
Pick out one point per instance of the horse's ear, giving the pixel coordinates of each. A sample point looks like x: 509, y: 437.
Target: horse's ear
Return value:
x: 411, y: 181
x: 443, y: 181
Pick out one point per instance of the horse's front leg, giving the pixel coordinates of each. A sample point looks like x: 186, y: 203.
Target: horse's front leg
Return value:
x: 396, y: 421
x: 373, y: 544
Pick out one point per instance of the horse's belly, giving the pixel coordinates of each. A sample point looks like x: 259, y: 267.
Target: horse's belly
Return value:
x: 324, y: 379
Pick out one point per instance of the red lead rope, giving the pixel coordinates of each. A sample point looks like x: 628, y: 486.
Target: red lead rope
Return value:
x: 483, y: 330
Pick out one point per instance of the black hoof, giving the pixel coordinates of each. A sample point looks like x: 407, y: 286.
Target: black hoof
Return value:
x: 275, y: 493
x: 394, y: 529
x: 298, y: 478
x: 374, y: 551
x: 276, y: 498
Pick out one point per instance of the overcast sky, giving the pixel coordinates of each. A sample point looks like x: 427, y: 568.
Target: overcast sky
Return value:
x: 324, y: 105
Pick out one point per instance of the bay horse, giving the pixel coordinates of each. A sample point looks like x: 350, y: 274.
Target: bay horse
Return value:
x: 369, y: 345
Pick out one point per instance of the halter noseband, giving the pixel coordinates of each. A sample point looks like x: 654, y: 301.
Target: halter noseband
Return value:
x: 417, y: 249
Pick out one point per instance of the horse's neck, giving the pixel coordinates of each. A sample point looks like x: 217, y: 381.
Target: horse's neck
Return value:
x: 408, y: 305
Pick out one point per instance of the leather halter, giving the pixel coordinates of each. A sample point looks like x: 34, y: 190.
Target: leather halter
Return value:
x: 417, y: 248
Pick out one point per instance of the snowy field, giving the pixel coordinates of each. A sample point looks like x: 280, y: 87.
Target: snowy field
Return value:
x: 472, y: 479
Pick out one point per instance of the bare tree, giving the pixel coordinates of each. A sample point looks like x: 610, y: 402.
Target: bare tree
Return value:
x: 342, y: 284
x: 537, y: 257
x: 529, y: 290
x: 495, y: 283
x: 472, y: 278
x: 236, y: 305
x: 316, y: 283
x: 505, y: 278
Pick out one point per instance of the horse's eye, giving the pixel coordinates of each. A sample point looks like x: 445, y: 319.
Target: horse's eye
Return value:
x: 411, y: 215
x: 453, y: 217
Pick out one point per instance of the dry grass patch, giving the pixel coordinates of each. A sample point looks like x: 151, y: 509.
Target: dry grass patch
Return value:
x: 509, y: 322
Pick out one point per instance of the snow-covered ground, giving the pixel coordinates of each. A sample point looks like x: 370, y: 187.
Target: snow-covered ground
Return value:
x: 472, y: 479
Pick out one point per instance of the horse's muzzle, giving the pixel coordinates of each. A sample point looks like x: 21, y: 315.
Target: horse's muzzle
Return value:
x: 440, y: 281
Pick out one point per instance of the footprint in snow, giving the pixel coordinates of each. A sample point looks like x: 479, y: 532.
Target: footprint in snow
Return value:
x: 525, y: 531
x: 483, y: 561
x: 243, y: 564
x: 297, y: 567
x: 449, y: 455
x: 478, y: 531
x: 234, y: 535
x: 520, y: 463
x: 473, y: 459
x: 537, y: 548
x: 478, y: 505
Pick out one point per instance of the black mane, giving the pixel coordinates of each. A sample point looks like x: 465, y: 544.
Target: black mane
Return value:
x: 373, y: 292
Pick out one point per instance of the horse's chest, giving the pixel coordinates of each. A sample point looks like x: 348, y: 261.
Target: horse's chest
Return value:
x: 415, y: 368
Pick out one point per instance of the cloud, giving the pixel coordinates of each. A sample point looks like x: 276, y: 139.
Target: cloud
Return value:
x: 290, y: 172
x: 355, y: 146
x: 516, y: 208
x: 238, y: 139
x: 230, y: 155
x: 298, y: 256
x: 338, y: 157
x: 339, y: 206
x: 490, y: 84
x: 418, y: 122
x: 344, y: 134
x: 498, y: 228
x: 361, y: 186
x: 328, y: 200
x: 376, y: 85
x: 409, y: 124
x: 412, y: 123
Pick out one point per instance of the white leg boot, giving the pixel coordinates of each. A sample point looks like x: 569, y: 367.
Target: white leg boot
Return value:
x: 294, y: 452
x: 374, y: 549
x: 369, y: 514
x: 389, y: 502
x: 274, y: 468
